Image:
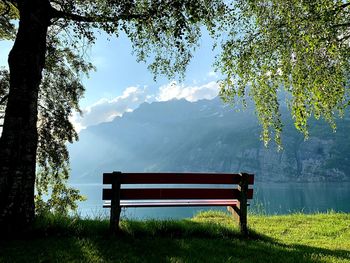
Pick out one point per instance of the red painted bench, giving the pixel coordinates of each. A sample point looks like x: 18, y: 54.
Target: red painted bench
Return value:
x: 234, y: 198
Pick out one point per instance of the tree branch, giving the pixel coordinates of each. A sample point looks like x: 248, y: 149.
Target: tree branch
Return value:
x: 342, y: 25
x: 340, y: 8
x: 343, y: 38
x: 92, y: 19
x: 4, y: 99
x: 344, y: 6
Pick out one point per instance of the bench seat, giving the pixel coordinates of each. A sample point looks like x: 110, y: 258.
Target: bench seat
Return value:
x: 165, y: 203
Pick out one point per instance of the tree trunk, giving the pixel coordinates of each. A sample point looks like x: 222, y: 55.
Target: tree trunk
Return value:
x: 18, y: 143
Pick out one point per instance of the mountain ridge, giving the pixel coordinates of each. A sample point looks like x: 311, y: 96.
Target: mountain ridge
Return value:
x: 208, y: 136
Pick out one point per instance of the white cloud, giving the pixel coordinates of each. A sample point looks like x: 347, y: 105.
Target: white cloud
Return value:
x: 106, y: 110
x: 191, y: 93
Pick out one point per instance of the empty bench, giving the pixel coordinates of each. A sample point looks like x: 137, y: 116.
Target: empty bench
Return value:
x: 205, y: 193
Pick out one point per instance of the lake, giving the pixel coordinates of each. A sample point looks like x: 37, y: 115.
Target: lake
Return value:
x: 269, y: 198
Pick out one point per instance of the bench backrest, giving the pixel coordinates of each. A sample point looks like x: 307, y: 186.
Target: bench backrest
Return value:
x: 117, y: 178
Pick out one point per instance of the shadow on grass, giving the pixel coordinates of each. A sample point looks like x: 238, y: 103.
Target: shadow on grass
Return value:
x: 158, y: 241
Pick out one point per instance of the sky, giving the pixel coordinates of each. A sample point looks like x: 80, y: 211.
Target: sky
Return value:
x: 120, y: 84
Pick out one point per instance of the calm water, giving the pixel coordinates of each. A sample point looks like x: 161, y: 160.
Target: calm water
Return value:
x: 269, y: 198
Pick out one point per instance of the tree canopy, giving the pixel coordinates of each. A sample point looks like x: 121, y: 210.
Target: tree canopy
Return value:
x: 299, y: 47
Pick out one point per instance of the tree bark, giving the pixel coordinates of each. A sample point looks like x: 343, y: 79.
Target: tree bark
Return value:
x: 18, y: 143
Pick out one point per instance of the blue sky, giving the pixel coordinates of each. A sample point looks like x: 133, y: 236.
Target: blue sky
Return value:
x: 121, y: 84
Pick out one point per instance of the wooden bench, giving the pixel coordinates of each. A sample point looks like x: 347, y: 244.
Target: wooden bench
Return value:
x: 234, y: 198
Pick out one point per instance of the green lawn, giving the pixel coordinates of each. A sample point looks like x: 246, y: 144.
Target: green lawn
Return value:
x: 208, y: 237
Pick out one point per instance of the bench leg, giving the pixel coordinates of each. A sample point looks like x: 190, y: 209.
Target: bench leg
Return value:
x: 241, y: 218
x: 240, y: 211
x: 114, y: 219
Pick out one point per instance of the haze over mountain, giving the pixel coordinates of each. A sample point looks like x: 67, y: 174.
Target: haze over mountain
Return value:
x: 203, y: 136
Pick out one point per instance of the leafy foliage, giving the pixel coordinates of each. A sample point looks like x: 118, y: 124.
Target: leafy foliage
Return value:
x: 60, y: 91
x: 300, y: 47
x: 62, y: 199
x: 172, y: 35
x: 8, y: 12
x: 163, y: 33
x: 4, y: 87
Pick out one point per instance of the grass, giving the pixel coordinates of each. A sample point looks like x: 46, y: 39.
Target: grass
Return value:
x: 208, y: 237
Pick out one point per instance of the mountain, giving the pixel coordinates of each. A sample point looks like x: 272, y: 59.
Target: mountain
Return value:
x: 208, y: 136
